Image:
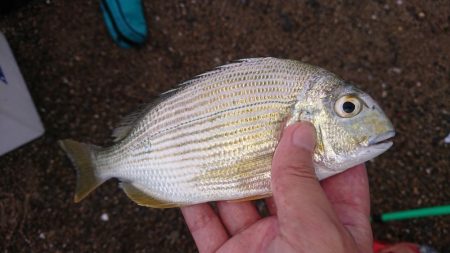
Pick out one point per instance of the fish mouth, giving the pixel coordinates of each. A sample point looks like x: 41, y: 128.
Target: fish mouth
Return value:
x: 382, y: 141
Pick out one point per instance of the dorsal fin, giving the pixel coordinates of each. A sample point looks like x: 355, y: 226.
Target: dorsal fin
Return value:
x: 127, y: 123
x: 143, y: 199
x: 222, y: 68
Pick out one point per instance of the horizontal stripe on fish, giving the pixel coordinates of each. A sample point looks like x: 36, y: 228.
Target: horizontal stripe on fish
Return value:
x: 195, y: 136
x: 275, y: 104
x: 181, y: 146
x: 213, y: 109
x: 242, y: 185
x: 193, y: 104
x: 191, y: 131
x: 126, y: 161
x: 113, y: 154
x: 237, y: 144
x: 198, y: 108
x: 195, y: 162
x: 230, y: 126
x: 191, y: 167
x: 181, y: 188
x: 178, y: 102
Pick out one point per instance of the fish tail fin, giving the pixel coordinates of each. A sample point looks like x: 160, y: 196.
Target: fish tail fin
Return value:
x: 87, y: 175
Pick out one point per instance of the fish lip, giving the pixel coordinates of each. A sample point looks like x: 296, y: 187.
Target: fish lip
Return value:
x: 381, y: 146
x: 382, y: 139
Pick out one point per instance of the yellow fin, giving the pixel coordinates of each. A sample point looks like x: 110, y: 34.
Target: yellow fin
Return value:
x: 80, y: 155
x: 143, y: 199
x: 262, y: 196
x: 241, y: 169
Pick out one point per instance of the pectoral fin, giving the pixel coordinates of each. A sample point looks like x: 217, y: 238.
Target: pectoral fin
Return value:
x: 143, y: 199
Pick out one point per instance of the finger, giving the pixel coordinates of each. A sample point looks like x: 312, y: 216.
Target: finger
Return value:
x: 254, y: 239
x: 270, y: 203
x: 206, y: 228
x: 349, y: 195
x: 237, y: 216
x: 298, y: 195
x: 349, y: 191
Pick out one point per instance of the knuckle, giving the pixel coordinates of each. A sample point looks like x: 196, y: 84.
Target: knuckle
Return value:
x: 305, y: 171
x: 299, y: 170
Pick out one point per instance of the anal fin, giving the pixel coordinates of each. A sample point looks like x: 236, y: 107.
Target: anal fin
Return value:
x: 143, y: 199
x: 255, y: 197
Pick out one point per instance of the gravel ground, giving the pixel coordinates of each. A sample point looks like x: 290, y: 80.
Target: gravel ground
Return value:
x: 82, y: 84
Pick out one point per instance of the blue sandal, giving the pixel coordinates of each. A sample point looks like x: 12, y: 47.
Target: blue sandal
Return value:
x: 125, y: 21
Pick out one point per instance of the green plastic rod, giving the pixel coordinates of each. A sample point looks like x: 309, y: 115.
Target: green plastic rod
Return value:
x: 411, y: 214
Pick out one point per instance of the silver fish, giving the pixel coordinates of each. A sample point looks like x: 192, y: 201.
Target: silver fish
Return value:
x: 214, y: 136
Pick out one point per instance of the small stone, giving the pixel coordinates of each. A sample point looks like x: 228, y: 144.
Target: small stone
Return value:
x: 447, y: 139
x: 42, y: 236
x: 374, y: 17
x: 421, y: 15
x: 104, y: 217
x: 396, y: 70
x: 399, y: 2
x: 384, y: 94
x: 174, y: 236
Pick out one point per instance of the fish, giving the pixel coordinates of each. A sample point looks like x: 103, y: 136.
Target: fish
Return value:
x: 213, y: 137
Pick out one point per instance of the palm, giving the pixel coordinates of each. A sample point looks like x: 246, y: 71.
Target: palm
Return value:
x: 241, y: 229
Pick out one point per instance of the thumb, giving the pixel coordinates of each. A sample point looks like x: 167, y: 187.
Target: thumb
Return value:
x: 298, y: 195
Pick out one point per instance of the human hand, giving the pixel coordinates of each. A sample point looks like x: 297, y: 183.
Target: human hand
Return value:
x: 306, y: 216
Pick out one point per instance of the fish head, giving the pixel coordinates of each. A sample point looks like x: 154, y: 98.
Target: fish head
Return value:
x: 351, y: 127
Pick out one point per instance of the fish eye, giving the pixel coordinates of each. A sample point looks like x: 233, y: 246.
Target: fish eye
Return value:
x: 348, y: 106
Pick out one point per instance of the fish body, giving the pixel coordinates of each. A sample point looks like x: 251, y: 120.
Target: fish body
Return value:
x: 214, y: 136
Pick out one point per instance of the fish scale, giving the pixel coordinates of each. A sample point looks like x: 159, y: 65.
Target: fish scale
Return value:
x: 213, y: 138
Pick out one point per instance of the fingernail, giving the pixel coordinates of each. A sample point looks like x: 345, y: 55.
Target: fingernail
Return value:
x: 304, y: 136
